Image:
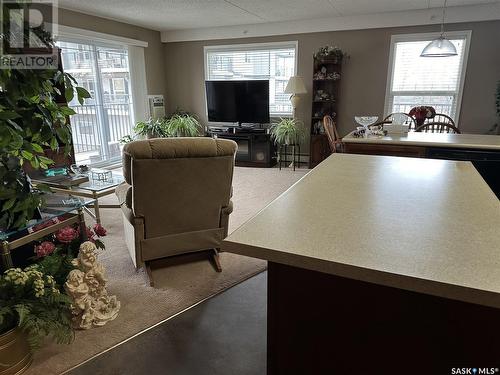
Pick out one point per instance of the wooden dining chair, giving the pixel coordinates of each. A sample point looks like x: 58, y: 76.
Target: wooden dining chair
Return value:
x: 441, y: 117
x: 410, y: 121
x: 438, y: 127
x: 334, y: 140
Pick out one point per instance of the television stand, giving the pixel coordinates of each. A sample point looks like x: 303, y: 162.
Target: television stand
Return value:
x: 255, y: 147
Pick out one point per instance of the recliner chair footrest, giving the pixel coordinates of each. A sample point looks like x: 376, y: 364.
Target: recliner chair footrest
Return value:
x: 174, y: 244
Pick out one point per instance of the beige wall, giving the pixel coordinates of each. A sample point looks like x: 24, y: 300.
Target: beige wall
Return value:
x: 364, y: 75
x: 153, y: 54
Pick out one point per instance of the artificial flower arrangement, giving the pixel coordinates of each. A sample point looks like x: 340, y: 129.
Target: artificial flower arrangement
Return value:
x: 34, y: 298
x: 421, y: 113
x: 329, y: 52
x: 55, y: 252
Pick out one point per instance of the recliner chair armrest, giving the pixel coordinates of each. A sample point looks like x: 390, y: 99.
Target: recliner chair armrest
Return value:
x: 224, y: 217
x: 228, y: 209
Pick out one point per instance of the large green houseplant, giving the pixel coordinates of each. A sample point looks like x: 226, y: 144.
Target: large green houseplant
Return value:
x: 33, y: 117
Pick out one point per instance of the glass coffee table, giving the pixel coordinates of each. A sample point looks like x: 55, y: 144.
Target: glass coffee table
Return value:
x: 68, y: 210
x: 94, y: 189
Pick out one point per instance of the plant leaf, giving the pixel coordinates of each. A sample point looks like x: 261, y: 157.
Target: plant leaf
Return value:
x: 69, y: 94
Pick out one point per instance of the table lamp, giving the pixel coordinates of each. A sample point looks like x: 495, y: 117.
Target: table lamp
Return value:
x: 294, y: 87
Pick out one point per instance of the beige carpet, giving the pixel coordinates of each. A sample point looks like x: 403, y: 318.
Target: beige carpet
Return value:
x: 185, y: 283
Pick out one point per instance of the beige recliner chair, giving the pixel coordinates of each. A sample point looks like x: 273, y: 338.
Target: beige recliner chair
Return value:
x: 176, y: 197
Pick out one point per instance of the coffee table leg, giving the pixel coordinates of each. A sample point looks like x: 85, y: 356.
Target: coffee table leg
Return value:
x: 96, y: 209
x: 82, y: 225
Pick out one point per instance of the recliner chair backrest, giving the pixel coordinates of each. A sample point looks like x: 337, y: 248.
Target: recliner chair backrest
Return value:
x: 179, y: 184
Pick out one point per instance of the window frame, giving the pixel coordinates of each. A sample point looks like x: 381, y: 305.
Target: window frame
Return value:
x: 98, y: 84
x: 396, y: 38
x: 249, y: 47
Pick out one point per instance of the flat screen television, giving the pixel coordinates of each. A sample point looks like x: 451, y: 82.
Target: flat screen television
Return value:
x: 238, y: 101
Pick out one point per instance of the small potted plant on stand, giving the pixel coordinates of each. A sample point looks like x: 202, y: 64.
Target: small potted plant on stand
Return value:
x: 287, y: 132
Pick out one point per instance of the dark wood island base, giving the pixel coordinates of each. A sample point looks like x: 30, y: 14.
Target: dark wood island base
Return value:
x: 319, y: 323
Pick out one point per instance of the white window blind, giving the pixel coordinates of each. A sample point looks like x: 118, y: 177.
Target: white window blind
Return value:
x: 433, y: 81
x: 275, y: 62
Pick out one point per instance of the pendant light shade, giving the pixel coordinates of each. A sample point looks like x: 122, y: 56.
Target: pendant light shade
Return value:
x: 440, y: 47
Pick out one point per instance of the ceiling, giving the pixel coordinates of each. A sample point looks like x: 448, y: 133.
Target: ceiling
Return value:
x: 164, y: 15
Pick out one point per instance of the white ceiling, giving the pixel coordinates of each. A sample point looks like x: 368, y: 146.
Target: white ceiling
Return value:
x: 164, y: 15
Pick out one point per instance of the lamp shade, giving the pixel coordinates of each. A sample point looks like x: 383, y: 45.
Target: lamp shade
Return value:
x: 440, y: 47
x: 295, y: 86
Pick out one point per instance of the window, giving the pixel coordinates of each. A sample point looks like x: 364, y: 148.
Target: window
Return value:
x: 433, y: 81
x: 273, y: 61
x: 108, y: 115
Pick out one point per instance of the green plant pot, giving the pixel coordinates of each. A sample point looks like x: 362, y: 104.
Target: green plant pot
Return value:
x: 15, y: 353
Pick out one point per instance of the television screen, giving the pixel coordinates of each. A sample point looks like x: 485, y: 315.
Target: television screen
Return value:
x: 238, y: 101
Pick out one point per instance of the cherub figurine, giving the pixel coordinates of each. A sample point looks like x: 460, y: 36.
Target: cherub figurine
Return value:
x: 86, y: 285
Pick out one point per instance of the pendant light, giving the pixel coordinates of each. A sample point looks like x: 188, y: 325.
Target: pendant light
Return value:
x: 440, y: 47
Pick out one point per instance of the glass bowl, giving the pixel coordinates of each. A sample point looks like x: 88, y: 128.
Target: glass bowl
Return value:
x: 366, y: 120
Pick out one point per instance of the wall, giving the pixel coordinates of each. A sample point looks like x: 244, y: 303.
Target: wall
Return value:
x: 364, y: 75
x: 153, y: 54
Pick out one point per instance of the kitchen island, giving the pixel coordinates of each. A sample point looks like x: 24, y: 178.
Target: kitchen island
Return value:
x: 380, y: 262
x: 482, y: 150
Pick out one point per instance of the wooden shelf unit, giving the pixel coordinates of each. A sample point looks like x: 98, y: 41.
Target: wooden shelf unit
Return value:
x: 319, y: 149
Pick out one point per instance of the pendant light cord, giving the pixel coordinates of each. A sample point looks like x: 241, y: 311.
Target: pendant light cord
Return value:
x: 444, y: 14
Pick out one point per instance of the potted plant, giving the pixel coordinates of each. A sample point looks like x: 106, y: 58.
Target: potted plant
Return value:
x: 179, y: 124
x: 182, y: 125
x: 152, y: 128
x: 330, y: 53
x: 287, y: 131
x: 31, y: 308
x: 33, y: 301
x: 32, y: 119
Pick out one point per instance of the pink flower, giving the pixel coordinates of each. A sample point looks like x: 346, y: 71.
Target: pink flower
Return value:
x: 99, y: 230
x: 45, y: 248
x: 66, y: 234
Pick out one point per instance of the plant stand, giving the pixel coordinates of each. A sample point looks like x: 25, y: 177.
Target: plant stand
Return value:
x: 283, y: 152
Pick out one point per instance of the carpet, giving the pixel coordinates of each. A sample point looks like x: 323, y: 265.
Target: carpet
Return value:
x: 183, y: 284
